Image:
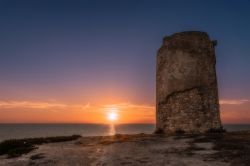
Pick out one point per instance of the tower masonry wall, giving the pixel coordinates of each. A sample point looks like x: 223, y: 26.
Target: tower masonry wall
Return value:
x: 186, y: 84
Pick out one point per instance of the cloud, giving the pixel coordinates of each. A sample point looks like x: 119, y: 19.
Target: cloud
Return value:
x: 233, y: 102
x: 129, y: 105
x: 29, y: 104
x: 38, y: 105
x: 45, y: 105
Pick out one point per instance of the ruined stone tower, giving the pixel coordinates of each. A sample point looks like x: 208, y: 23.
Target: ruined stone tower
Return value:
x: 186, y: 84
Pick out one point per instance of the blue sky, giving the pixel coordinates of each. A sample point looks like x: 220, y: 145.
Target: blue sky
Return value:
x: 84, y: 51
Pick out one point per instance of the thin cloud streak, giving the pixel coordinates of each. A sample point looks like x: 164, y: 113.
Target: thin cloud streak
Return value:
x: 38, y: 105
x: 233, y: 102
x: 129, y: 105
x: 13, y: 104
x: 29, y: 104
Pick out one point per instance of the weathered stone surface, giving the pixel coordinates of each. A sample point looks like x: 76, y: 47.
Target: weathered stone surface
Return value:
x: 186, y: 88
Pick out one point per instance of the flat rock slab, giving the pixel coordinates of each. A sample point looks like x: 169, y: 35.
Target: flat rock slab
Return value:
x: 119, y: 150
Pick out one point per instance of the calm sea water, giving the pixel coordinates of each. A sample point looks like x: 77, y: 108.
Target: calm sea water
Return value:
x: 11, y: 131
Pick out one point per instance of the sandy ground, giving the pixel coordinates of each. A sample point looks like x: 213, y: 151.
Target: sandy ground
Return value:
x: 122, y: 150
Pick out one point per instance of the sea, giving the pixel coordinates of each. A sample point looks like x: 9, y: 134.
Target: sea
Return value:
x: 18, y: 131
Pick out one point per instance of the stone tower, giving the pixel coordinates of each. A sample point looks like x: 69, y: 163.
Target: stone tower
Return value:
x: 186, y: 84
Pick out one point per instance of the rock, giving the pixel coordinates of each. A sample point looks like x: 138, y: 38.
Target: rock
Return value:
x: 186, y: 88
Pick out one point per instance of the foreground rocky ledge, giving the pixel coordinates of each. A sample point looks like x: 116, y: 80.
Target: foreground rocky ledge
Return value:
x: 142, y: 149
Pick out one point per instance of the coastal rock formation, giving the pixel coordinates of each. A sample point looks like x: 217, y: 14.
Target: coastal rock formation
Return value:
x: 186, y: 88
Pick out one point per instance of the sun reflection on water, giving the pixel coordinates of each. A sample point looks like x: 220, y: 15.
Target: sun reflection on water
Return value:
x: 112, y: 129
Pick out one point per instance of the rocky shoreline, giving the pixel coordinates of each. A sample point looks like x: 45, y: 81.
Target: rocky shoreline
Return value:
x: 221, y: 149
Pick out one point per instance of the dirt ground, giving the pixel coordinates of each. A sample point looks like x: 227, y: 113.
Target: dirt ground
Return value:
x: 141, y: 149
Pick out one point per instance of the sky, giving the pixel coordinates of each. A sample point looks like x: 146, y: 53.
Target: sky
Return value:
x: 72, y: 61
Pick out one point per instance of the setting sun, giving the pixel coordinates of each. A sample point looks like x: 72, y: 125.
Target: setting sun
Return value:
x: 112, y: 116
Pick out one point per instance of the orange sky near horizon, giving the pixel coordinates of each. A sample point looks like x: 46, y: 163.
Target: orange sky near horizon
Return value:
x: 232, y: 111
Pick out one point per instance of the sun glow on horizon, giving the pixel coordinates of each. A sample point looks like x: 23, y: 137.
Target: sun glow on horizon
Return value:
x: 112, y: 114
x: 25, y: 111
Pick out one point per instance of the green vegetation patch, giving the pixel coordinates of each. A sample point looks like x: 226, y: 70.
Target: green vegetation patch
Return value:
x: 17, y: 147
